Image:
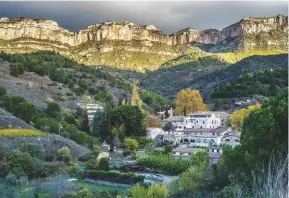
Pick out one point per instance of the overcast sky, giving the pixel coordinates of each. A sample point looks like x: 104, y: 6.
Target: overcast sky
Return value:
x: 167, y: 16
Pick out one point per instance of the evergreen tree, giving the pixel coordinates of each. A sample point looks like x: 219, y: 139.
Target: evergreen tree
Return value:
x: 96, y: 130
x: 167, y: 113
x: 101, y: 123
x: 84, y: 125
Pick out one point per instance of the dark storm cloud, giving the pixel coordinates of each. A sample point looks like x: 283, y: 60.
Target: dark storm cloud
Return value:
x: 167, y: 16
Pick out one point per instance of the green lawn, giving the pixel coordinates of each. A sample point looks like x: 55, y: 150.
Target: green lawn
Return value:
x: 98, y: 187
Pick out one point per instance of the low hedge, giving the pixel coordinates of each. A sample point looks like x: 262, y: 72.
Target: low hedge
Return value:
x: 21, y: 133
x: 116, y: 177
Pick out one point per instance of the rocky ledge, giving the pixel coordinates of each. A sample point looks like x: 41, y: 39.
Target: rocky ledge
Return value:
x: 44, y: 29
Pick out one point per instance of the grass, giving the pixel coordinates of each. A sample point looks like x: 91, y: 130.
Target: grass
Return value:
x: 99, y: 187
x: 21, y: 133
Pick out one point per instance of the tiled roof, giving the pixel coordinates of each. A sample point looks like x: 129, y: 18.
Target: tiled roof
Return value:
x: 174, y: 119
x: 185, y: 150
x: 217, y: 130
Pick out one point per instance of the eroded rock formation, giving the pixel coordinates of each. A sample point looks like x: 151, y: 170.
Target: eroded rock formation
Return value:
x: 48, y: 30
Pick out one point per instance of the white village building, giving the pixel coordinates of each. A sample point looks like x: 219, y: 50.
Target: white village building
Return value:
x: 203, y: 120
x: 153, y: 132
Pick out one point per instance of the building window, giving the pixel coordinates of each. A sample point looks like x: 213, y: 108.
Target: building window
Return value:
x: 203, y: 122
x: 197, y: 121
x: 201, y: 126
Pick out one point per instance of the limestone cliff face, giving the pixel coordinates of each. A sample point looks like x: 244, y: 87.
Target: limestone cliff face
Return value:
x: 125, y: 31
x: 43, y: 30
x: 189, y: 35
x: 270, y: 32
x: 249, y: 26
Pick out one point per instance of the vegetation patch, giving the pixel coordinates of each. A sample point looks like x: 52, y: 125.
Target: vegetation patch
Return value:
x: 21, y: 133
x: 116, y: 177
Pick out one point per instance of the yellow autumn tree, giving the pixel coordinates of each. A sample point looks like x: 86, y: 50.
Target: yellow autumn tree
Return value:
x: 189, y: 101
x: 135, y: 98
x: 236, y: 120
x: 154, y: 121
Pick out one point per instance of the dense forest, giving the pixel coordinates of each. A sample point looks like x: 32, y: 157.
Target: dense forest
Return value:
x: 266, y: 83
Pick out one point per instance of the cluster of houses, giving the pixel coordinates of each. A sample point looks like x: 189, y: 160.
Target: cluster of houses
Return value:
x: 190, y: 133
x: 202, y: 130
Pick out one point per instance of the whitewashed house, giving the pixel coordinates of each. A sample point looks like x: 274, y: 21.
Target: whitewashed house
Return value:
x: 153, y: 132
x: 175, y: 120
x: 203, y: 120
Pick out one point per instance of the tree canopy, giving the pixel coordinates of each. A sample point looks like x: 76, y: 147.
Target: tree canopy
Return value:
x: 189, y: 101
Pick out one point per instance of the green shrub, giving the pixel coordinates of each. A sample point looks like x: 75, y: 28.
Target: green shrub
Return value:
x: 18, y: 163
x: 2, y: 91
x: 116, y: 177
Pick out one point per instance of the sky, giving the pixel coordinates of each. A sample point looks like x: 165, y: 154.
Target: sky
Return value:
x: 168, y: 16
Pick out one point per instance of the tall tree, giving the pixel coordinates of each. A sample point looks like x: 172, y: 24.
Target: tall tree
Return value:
x: 189, y: 100
x: 84, y: 124
x: 236, y: 120
x: 154, y: 121
x: 131, y: 117
x: 264, y: 136
x: 135, y: 98
x: 101, y: 123
x: 167, y: 113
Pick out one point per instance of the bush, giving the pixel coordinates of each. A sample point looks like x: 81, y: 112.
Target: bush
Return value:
x: 16, y: 69
x: 143, y: 141
x: 103, y: 164
x: 2, y: 91
x: 171, y: 165
x: 18, y: 163
x: 130, y: 143
x: 116, y: 177
x: 64, y: 152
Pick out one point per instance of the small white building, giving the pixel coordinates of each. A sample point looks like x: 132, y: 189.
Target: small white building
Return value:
x: 153, y: 132
x: 175, y: 120
x: 203, y: 120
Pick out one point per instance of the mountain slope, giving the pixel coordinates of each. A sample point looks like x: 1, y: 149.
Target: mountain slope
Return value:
x: 207, y: 73
x: 51, y: 142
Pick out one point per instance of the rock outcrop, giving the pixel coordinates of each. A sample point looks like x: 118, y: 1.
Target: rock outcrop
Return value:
x: 19, y: 34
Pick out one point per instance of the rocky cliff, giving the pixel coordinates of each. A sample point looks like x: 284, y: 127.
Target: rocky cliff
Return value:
x: 89, y: 44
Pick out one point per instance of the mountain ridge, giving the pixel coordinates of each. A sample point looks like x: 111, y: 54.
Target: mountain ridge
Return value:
x: 121, y: 30
x: 118, y: 43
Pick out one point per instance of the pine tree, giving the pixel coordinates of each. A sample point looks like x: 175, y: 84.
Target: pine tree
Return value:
x: 97, y: 119
x: 84, y: 125
x: 167, y: 113
x: 102, y: 123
